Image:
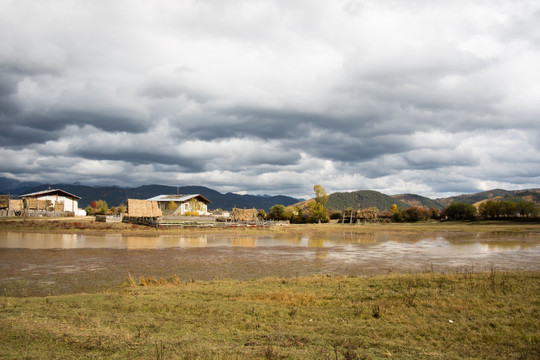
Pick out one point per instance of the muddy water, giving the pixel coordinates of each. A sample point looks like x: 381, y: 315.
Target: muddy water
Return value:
x: 42, y: 264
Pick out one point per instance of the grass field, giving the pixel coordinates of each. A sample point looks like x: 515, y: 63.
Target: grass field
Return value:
x: 415, y: 316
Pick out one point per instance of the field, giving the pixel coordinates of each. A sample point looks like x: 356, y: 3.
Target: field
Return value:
x: 441, y: 314
x: 423, y: 316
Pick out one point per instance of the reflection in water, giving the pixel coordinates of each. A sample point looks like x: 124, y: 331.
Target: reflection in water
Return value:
x: 244, y: 242
x: 428, y: 244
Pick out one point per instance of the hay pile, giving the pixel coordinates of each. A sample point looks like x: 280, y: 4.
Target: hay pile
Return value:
x: 15, y: 205
x: 4, y: 201
x: 143, y: 208
x: 59, y: 206
x: 243, y: 214
x: 35, y: 204
x: 367, y: 214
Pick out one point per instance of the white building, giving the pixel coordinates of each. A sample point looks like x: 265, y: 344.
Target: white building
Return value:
x: 58, y: 200
x: 184, y: 203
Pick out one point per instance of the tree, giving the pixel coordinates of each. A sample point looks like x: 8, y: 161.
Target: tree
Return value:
x: 297, y: 215
x: 171, y: 207
x: 121, y: 209
x: 277, y: 212
x: 317, y: 210
x: 101, y: 207
x: 261, y: 214
x: 195, y: 206
x: 508, y: 208
x: 527, y: 209
x: 460, y: 211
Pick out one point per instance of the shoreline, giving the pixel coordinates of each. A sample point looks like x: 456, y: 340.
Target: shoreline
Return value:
x: 88, y: 225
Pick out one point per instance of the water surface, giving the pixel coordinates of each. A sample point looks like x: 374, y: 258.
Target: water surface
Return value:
x: 43, y: 264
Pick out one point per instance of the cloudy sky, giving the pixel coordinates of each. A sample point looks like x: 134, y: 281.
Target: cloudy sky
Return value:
x: 257, y: 96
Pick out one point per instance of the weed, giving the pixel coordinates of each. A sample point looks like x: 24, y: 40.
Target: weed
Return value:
x: 270, y: 353
x: 409, y: 298
x: 293, y: 311
x: 160, y: 351
x: 376, y: 312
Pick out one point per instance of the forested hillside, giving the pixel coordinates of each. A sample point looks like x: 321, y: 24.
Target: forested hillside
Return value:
x: 362, y: 199
x: 417, y: 200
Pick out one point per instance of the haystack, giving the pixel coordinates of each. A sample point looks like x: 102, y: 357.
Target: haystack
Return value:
x: 143, y: 208
x: 367, y: 214
x: 59, y: 206
x: 35, y: 204
x: 243, y: 214
x: 4, y: 201
x: 15, y: 204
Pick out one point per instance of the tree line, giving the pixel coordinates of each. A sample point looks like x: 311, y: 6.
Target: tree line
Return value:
x: 316, y: 211
x: 492, y: 209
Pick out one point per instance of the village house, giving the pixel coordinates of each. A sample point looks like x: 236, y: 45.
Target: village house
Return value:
x: 51, y: 200
x: 194, y: 203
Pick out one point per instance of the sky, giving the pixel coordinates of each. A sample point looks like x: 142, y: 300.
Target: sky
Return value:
x: 430, y: 97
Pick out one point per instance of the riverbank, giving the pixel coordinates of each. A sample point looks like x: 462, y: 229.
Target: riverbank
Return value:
x: 88, y: 225
x: 416, y: 316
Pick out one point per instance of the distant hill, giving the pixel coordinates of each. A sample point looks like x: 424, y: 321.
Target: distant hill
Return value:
x: 9, y: 185
x: 417, y: 200
x: 362, y: 199
x: 370, y: 198
x: 496, y: 194
x: 115, y: 195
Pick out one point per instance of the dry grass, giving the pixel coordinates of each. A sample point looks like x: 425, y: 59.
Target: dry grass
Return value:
x: 87, y: 224
x: 428, y: 316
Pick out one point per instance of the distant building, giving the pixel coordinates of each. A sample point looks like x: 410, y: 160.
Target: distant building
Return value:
x: 54, y: 200
x: 183, y: 204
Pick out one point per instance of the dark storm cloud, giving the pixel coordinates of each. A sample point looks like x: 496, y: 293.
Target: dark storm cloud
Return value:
x: 142, y: 157
x: 20, y: 136
x: 428, y: 97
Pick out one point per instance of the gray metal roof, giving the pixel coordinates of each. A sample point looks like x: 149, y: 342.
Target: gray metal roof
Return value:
x: 50, y: 191
x: 178, y: 197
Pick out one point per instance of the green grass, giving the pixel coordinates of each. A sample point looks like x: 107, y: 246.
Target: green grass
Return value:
x: 421, y: 316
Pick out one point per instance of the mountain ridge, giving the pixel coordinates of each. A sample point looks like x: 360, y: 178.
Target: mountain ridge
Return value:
x: 116, y: 195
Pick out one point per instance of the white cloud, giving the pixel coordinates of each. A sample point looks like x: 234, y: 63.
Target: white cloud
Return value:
x: 264, y: 96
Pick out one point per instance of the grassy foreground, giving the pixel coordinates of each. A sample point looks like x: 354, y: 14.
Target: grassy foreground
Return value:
x: 432, y: 316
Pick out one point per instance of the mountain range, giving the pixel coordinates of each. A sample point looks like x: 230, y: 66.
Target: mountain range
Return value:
x: 115, y: 195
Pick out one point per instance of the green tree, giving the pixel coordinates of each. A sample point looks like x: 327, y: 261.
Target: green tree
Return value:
x: 102, y: 207
x: 317, y: 210
x: 297, y: 216
x: 460, y: 211
x: 122, y: 209
x: 261, y: 214
x: 509, y: 208
x: 527, y: 209
x: 277, y: 212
